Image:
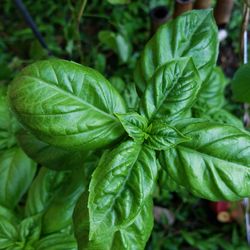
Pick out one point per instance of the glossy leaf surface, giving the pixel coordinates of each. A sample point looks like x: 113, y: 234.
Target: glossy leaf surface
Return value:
x: 212, y: 92
x: 66, y: 104
x: 58, y: 215
x: 16, y: 174
x: 133, y: 236
x: 193, y: 34
x: 49, y: 156
x: 121, y: 183
x: 134, y: 124
x: 161, y: 136
x: 43, y: 189
x: 172, y: 90
x: 215, y: 164
x: 136, y: 235
x: 8, y: 124
x: 58, y: 241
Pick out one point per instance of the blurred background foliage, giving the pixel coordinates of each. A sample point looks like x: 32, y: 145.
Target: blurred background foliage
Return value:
x: 109, y: 38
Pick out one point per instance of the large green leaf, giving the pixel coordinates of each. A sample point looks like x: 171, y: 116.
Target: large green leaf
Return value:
x: 49, y: 156
x: 240, y: 84
x: 133, y: 236
x: 136, y: 235
x: 215, y: 164
x: 66, y: 104
x: 221, y: 116
x: 172, y: 90
x: 121, y: 183
x: 58, y: 214
x: 193, y: 34
x: 16, y: 174
x: 43, y: 189
x: 57, y: 241
x: 8, y: 124
x: 212, y: 93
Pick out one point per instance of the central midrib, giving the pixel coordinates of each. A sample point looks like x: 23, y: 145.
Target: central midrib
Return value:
x: 58, y: 89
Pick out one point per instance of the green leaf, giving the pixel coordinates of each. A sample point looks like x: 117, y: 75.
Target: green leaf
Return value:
x: 108, y: 38
x: 240, y: 84
x: 134, y: 124
x: 118, y: 83
x: 212, y: 92
x: 193, y: 34
x: 7, y: 214
x: 125, y: 237
x: 49, y: 156
x: 162, y: 136
x: 221, y: 116
x: 58, y: 215
x: 16, y: 174
x: 57, y: 241
x: 131, y: 97
x: 67, y: 105
x: 121, y: 183
x: 119, y: 1
x: 8, y: 124
x: 172, y: 90
x: 123, y: 48
x: 8, y: 234
x: 136, y: 235
x: 116, y: 42
x: 215, y: 164
x: 29, y: 229
x: 43, y: 189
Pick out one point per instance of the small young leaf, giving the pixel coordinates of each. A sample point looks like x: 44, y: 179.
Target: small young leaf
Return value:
x: 66, y: 104
x: 215, y: 164
x: 241, y: 84
x: 162, y: 136
x: 134, y: 124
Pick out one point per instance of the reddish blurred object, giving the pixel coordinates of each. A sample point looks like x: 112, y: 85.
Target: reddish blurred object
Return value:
x: 182, y: 6
x: 228, y: 211
x: 202, y: 4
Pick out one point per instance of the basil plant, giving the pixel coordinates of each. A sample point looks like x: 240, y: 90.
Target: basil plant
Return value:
x: 73, y: 118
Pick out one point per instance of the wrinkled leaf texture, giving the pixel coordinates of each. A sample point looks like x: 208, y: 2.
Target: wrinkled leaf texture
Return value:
x: 120, y: 185
x: 193, y: 34
x: 215, y: 164
x: 66, y: 104
x: 172, y: 90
